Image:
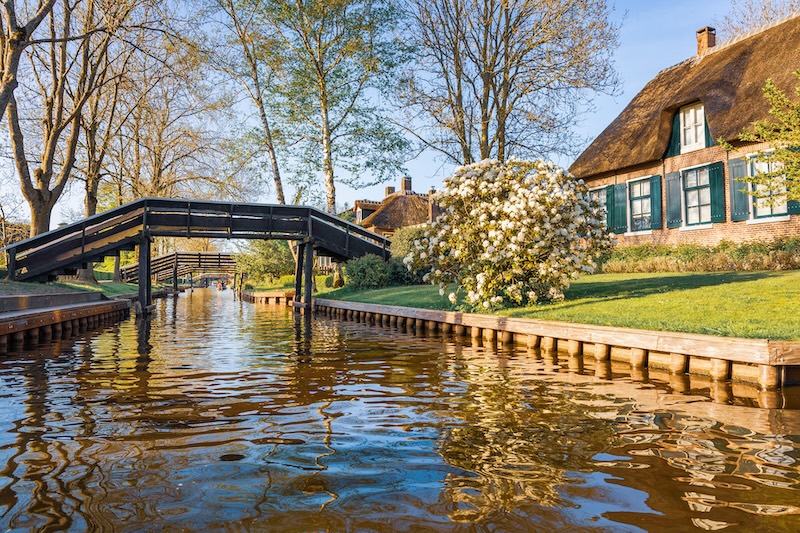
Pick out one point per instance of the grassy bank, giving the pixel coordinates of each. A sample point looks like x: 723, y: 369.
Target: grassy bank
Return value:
x: 740, y: 304
x: 109, y: 288
x: 12, y: 288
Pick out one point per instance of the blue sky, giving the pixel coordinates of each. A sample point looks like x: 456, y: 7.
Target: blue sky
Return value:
x: 654, y: 35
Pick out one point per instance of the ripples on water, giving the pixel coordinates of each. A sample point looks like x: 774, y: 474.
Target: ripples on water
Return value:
x: 221, y: 415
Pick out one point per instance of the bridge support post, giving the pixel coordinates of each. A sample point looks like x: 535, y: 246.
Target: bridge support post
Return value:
x: 309, y: 277
x: 12, y: 264
x: 175, y: 274
x: 145, y: 279
x: 298, y: 272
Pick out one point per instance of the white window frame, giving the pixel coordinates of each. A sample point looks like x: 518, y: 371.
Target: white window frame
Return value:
x: 684, y: 224
x: 601, y: 188
x: 699, y: 139
x: 752, y: 218
x: 629, y: 218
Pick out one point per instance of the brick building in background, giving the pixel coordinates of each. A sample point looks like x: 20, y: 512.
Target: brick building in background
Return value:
x: 658, y: 167
x: 398, y: 209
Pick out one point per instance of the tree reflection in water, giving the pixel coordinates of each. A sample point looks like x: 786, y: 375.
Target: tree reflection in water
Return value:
x: 517, y: 443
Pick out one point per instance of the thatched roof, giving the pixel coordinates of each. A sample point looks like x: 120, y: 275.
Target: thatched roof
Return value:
x: 728, y: 80
x: 399, y: 210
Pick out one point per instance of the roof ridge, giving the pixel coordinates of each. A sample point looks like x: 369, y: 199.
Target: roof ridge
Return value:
x: 753, y: 32
x: 730, y: 42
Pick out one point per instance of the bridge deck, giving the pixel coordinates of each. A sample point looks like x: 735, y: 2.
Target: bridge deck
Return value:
x: 170, y: 266
x: 64, y: 250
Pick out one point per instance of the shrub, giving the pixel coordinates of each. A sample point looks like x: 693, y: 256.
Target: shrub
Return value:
x: 367, y: 272
x: 400, y: 275
x: 403, y: 240
x: 511, y: 233
x: 265, y: 261
x: 779, y: 254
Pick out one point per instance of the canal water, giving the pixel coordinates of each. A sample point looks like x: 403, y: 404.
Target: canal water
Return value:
x: 223, y: 415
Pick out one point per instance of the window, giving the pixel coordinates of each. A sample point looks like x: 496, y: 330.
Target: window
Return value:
x: 697, y: 196
x: 693, y: 128
x: 639, y: 198
x: 599, y: 195
x: 766, y: 203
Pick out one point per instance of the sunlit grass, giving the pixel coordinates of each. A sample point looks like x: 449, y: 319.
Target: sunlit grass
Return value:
x: 736, y: 304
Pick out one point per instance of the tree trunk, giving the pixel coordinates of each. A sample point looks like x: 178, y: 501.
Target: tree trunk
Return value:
x: 338, y: 276
x: 40, y: 216
x: 86, y: 275
x: 117, y: 277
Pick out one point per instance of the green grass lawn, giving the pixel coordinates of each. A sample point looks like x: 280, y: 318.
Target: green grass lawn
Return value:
x: 737, y: 304
x: 11, y: 288
x: 109, y: 288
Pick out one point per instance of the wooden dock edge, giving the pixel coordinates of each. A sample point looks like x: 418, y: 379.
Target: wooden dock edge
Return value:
x: 34, y: 327
x: 769, y: 364
x: 268, y: 297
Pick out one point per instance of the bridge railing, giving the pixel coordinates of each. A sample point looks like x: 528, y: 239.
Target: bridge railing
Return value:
x: 121, y: 228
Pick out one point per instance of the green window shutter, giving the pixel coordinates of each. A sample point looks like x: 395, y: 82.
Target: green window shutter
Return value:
x: 740, y: 201
x: 655, y: 202
x: 709, y: 138
x: 793, y: 207
x: 610, y: 207
x: 674, y: 147
x: 717, y: 182
x: 674, y: 193
x: 620, y: 208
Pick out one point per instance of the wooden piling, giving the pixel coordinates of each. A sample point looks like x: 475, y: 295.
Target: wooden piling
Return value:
x: 678, y: 363
x: 720, y: 370
x: 638, y: 358
x: 768, y: 377
x: 548, y: 344
x: 575, y: 348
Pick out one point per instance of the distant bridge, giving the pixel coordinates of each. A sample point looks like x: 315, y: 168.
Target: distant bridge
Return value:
x: 66, y: 249
x: 179, y: 264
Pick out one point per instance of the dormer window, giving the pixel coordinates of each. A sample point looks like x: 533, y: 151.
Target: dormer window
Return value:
x: 693, y: 128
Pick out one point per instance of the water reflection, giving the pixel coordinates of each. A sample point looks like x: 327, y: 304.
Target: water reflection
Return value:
x: 218, y: 414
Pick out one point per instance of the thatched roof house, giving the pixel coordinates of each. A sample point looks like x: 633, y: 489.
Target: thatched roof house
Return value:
x: 666, y: 139
x: 398, y: 209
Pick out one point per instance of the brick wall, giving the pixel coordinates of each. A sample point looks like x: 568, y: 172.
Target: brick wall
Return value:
x: 737, y: 232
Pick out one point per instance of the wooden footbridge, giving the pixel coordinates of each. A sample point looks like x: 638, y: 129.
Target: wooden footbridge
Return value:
x: 179, y: 264
x: 131, y: 226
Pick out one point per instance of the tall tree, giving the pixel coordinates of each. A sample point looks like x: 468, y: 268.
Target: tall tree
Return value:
x: 64, y: 71
x: 16, y: 34
x: 168, y: 145
x: 746, y: 15
x: 243, y: 38
x: 331, y: 60
x: 501, y: 78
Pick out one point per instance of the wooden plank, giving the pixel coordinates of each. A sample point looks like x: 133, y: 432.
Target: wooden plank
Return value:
x: 35, y: 319
x: 755, y: 351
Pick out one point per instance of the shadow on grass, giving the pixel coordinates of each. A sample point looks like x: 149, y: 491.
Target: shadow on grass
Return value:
x: 591, y: 292
x: 635, y: 288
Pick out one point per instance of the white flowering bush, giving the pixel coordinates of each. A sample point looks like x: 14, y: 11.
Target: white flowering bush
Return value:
x: 510, y: 233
